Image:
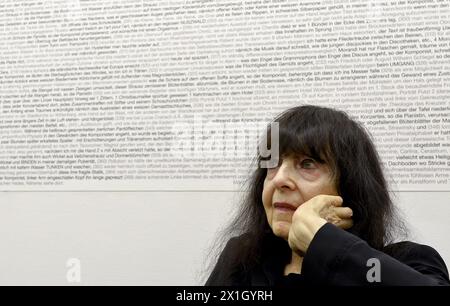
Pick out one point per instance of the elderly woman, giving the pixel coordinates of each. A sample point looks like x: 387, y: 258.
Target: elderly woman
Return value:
x: 323, y: 215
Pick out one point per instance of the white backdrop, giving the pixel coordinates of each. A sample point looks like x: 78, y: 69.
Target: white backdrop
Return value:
x: 143, y: 238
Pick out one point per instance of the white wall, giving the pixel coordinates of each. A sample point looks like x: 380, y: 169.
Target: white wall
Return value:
x: 143, y: 238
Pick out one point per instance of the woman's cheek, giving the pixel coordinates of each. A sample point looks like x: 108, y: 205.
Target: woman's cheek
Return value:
x: 310, y: 175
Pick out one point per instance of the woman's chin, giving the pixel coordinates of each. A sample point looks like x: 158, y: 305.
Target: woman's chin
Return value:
x: 281, y: 229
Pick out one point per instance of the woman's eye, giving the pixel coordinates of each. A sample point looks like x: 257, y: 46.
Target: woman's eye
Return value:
x: 308, y: 164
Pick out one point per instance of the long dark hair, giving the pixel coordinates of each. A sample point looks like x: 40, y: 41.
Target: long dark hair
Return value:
x: 330, y: 136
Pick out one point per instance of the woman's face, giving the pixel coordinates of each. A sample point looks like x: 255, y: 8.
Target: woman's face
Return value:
x: 293, y: 182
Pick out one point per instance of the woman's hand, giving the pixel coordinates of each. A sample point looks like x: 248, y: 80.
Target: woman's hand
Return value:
x: 312, y: 215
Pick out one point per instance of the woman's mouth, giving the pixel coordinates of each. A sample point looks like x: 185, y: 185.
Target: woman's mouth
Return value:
x: 283, y: 206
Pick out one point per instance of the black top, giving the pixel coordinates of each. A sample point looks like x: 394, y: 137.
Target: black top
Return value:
x: 334, y: 257
x: 290, y: 280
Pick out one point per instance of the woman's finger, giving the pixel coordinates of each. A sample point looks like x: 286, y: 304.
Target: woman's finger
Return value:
x: 344, y: 223
x: 336, y: 200
x: 325, y: 202
x: 343, y: 212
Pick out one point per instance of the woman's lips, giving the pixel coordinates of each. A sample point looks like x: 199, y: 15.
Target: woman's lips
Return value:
x: 282, y: 206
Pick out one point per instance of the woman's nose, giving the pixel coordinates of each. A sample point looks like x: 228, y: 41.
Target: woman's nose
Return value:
x: 283, y: 178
